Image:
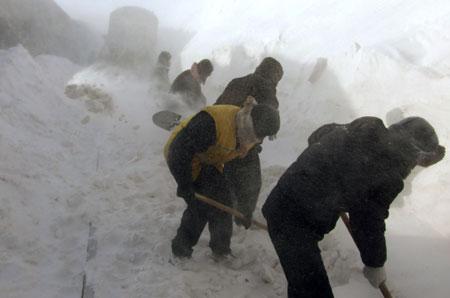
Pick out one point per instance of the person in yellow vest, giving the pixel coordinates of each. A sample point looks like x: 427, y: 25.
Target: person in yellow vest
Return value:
x: 196, y: 153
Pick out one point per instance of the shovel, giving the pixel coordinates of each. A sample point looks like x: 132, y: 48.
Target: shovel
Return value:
x: 228, y: 210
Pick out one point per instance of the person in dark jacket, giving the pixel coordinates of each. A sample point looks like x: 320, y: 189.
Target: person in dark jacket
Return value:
x: 188, y: 83
x: 196, y: 153
x: 261, y: 84
x: 357, y: 168
x: 245, y: 174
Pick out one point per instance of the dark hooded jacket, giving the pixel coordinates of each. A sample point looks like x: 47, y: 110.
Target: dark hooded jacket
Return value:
x: 262, y: 85
x: 189, y: 89
x: 356, y: 168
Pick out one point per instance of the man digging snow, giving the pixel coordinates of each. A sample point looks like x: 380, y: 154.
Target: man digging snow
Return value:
x: 196, y: 153
x: 357, y: 168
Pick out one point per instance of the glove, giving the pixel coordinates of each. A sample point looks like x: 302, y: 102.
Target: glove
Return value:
x: 246, y: 222
x: 187, y: 193
x: 375, y: 275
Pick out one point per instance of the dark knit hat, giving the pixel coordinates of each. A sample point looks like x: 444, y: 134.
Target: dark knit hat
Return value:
x: 205, y: 68
x: 270, y: 69
x: 421, y: 132
x: 266, y: 120
x: 164, y: 58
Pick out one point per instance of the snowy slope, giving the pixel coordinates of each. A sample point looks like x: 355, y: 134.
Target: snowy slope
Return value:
x: 41, y: 169
x: 301, y: 30
x: 58, y: 175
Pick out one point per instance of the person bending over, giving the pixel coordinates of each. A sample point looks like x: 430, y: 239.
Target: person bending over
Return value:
x: 357, y: 168
x: 196, y: 154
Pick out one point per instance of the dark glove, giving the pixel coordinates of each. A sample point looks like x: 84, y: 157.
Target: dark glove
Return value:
x: 187, y: 193
x: 246, y: 222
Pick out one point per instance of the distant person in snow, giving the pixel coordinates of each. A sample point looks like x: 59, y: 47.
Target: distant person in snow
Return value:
x: 357, y: 168
x: 188, y: 83
x: 262, y: 85
x: 244, y: 174
x: 161, y: 71
x: 196, y: 153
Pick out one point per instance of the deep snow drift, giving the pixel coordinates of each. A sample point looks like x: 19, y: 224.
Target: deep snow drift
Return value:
x: 64, y: 168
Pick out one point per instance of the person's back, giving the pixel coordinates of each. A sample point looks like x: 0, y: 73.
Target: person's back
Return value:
x: 235, y: 91
x: 197, y: 152
x: 338, y: 171
x: 188, y: 83
x: 356, y: 168
x: 185, y: 85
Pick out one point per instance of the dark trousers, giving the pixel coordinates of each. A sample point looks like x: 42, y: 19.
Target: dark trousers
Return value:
x: 244, y: 176
x: 299, y: 254
x: 212, y: 184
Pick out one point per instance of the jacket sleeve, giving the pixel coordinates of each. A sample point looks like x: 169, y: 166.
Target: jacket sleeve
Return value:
x: 196, y: 137
x: 367, y: 222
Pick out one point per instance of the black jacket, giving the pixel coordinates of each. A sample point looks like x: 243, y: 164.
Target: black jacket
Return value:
x: 190, y: 90
x: 262, y: 89
x: 196, y: 137
x: 357, y: 168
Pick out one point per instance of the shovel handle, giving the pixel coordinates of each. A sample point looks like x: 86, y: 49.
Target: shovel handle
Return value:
x: 228, y: 210
x: 383, y: 288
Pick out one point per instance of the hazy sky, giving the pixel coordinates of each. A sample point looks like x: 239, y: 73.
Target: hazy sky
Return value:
x: 169, y: 12
x: 306, y: 28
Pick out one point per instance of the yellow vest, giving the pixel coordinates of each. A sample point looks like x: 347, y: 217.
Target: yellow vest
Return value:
x: 224, y: 150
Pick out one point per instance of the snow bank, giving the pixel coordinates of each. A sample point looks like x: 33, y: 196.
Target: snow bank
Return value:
x: 303, y: 30
x: 41, y: 141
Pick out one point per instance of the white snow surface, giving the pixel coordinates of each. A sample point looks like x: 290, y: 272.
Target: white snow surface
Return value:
x: 63, y: 168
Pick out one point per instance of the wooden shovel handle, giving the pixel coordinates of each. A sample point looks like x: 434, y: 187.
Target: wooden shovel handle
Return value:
x: 228, y: 210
